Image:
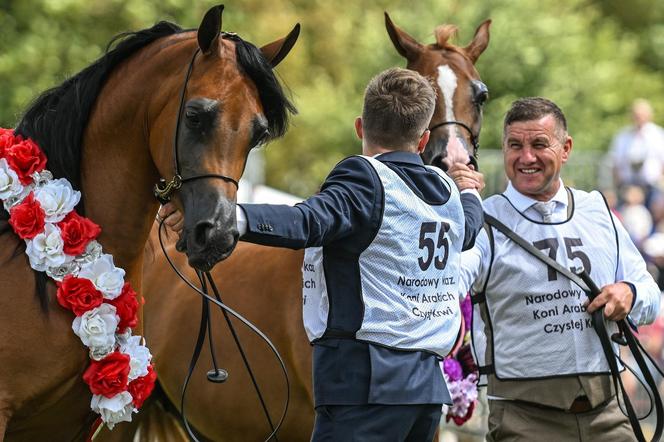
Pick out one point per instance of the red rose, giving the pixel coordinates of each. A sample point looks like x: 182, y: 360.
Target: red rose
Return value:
x: 77, y: 232
x: 126, y: 306
x: 78, y: 295
x: 7, y: 139
x: 27, y: 218
x: 141, y: 388
x: 25, y: 157
x: 109, y: 376
x: 460, y: 420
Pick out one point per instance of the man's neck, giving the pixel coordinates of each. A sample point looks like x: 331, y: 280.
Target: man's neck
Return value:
x: 372, y: 151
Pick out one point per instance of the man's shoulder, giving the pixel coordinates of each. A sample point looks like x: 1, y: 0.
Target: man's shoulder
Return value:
x: 353, y: 161
x: 494, y: 202
x: 353, y: 168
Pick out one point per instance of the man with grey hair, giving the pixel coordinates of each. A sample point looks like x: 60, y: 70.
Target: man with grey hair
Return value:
x: 532, y: 333
x: 383, y: 239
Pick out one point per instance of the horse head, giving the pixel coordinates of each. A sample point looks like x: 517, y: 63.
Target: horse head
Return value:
x: 456, y: 122
x: 230, y: 102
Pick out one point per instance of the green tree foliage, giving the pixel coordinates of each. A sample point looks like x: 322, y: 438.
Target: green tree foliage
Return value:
x: 592, y: 58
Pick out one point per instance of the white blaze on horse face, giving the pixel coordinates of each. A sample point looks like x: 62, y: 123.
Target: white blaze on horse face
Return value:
x: 447, y: 82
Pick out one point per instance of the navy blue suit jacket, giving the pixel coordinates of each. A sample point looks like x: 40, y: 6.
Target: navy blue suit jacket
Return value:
x: 344, y: 218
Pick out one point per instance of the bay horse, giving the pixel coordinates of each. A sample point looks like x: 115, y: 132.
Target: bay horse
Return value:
x: 109, y: 131
x: 265, y: 284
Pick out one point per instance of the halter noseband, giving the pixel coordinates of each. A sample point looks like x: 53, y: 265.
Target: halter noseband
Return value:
x: 473, y: 139
x: 163, y: 190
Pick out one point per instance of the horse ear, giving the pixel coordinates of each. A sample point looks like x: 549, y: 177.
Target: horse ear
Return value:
x: 407, y: 46
x: 277, y: 50
x: 480, y: 41
x: 208, y: 31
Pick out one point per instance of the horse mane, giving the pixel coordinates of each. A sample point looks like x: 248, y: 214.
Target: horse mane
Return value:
x: 276, y: 105
x: 56, y: 119
x: 443, y: 33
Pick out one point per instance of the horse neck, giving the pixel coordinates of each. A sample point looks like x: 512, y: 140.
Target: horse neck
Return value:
x: 117, y: 170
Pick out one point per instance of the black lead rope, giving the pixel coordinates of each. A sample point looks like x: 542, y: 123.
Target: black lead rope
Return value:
x: 205, y: 326
x: 584, y: 281
x: 240, y: 349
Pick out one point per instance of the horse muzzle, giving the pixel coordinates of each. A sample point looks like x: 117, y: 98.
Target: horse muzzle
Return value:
x: 210, y: 229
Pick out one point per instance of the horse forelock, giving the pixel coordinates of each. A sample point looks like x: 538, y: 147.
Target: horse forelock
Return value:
x: 276, y: 105
x: 443, y: 33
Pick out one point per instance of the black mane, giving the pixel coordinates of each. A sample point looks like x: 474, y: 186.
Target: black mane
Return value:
x: 57, y: 119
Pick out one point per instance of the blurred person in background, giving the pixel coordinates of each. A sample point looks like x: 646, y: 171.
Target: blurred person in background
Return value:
x: 637, y: 152
x: 634, y: 215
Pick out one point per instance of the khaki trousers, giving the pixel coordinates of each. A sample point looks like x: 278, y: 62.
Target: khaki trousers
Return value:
x: 511, y: 421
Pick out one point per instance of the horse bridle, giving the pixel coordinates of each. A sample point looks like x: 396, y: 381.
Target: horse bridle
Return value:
x: 164, y: 190
x: 474, y: 140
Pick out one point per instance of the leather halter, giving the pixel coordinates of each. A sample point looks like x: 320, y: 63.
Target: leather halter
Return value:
x: 473, y: 138
x: 163, y: 190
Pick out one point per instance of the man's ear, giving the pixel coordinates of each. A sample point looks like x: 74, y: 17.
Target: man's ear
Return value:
x: 424, y: 139
x: 567, y: 148
x: 358, y: 128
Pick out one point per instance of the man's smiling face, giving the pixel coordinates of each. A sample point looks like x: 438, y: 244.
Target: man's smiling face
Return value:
x: 534, y: 152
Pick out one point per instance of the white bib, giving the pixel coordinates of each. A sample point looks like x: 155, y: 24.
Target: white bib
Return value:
x: 537, y: 326
x: 411, y: 302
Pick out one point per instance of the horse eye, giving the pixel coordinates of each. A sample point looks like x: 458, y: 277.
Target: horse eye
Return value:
x: 480, y: 93
x: 193, y: 119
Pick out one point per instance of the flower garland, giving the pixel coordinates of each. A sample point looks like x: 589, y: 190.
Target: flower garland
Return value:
x: 63, y: 244
x: 461, y: 374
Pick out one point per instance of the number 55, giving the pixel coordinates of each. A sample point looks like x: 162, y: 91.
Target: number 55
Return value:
x: 427, y: 242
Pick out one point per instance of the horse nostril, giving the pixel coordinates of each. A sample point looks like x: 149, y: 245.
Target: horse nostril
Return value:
x: 202, y: 233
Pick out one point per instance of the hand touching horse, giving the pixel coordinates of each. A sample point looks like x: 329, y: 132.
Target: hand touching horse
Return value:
x: 108, y: 130
x: 266, y: 283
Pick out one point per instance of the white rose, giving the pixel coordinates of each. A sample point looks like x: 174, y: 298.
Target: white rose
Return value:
x: 104, y: 275
x: 45, y: 249
x: 139, y: 357
x: 113, y: 410
x: 10, y: 186
x: 68, y: 268
x: 92, y: 252
x: 96, y: 328
x: 57, y: 198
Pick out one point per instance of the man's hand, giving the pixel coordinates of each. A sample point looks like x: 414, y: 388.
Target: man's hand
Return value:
x: 172, y: 217
x: 616, y: 299
x: 466, y: 177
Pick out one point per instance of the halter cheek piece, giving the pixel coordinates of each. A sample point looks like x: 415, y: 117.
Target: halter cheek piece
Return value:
x: 164, y: 190
x: 473, y: 139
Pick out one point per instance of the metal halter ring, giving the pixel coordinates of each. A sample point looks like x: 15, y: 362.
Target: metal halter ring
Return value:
x: 164, y: 190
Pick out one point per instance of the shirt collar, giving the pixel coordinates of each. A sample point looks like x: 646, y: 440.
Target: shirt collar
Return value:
x: 400, y: 156
x: 522, y: 202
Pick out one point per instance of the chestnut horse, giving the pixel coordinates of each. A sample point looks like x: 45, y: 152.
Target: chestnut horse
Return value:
x: 265, y: 284
x: 108, y: 130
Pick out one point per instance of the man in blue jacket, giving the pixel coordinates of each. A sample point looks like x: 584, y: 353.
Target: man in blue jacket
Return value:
x: 383, y: 239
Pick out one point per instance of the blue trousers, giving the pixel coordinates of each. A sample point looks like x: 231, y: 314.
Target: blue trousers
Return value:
x: 376, y: 423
